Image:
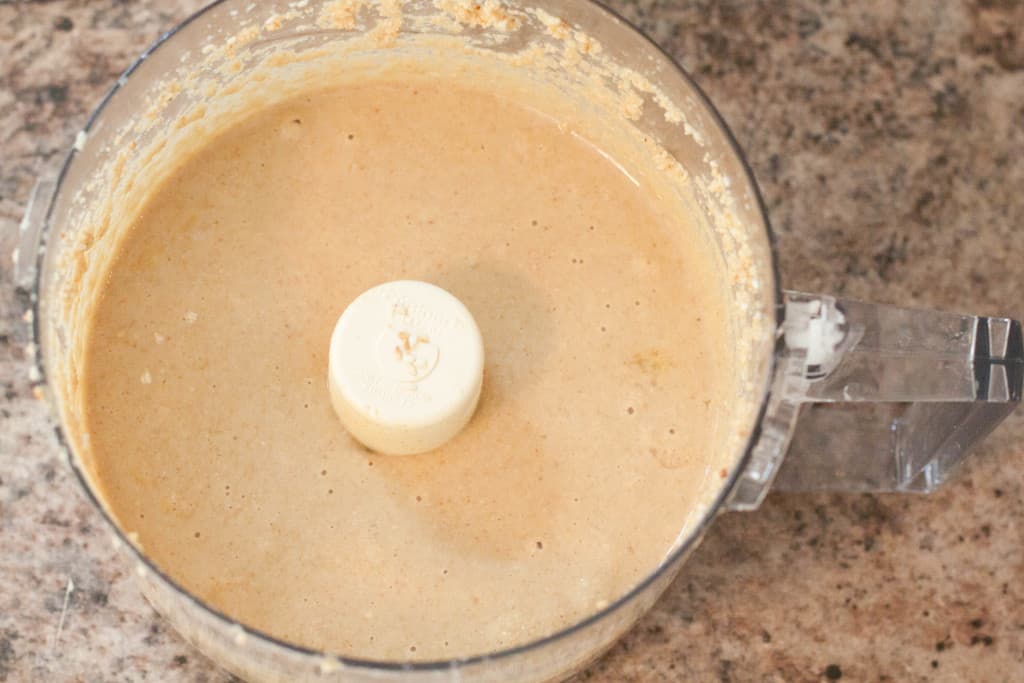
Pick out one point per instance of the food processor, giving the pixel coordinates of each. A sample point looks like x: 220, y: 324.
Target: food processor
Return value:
x: 842, y: 395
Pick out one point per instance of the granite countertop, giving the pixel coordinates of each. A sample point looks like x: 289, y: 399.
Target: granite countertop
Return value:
x: 889, y: 141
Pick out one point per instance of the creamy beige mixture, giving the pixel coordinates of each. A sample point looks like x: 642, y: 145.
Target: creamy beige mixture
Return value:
x: 606, y: 385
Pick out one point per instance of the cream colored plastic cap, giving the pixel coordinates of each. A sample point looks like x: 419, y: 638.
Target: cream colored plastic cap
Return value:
x: 405, y: 367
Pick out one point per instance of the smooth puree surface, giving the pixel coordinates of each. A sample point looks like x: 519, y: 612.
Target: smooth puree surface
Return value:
x: 607, y: 373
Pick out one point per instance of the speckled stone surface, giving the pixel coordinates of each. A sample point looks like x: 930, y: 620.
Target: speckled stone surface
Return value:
x: 888, y: 138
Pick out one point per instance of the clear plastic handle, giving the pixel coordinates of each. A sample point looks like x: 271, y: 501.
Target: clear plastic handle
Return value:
x: 870, y: 397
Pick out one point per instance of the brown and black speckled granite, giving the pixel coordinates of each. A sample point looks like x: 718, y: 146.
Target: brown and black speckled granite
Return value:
x: 889, y: 141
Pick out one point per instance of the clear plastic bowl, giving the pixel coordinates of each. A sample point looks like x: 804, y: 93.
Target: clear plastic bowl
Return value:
x: 699, y: 140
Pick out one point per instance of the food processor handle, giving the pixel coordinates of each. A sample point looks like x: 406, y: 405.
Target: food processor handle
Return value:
x: 869, y: 397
